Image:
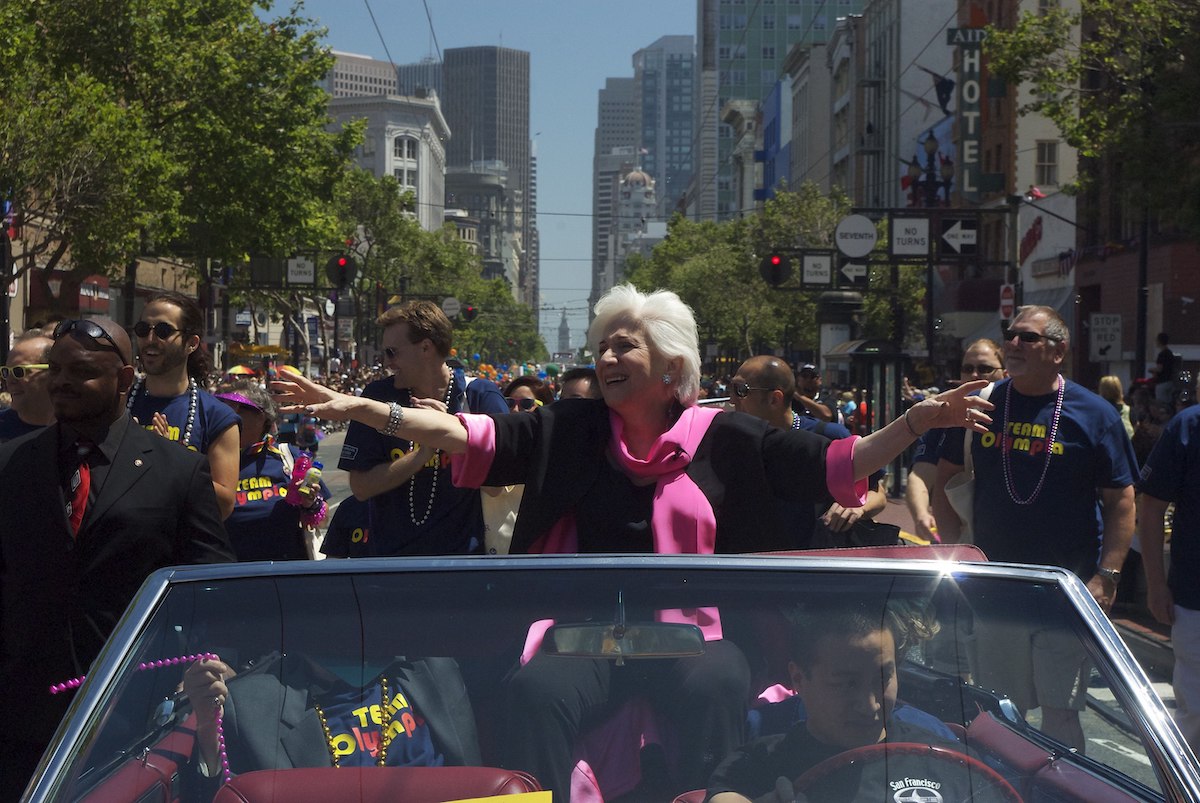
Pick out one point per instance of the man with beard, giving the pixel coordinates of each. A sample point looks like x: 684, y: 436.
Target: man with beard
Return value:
x: 92, y: 506
x: 26, y: 380
x: 170, y: 399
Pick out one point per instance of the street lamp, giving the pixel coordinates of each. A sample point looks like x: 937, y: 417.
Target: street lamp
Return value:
x: 927, y: 183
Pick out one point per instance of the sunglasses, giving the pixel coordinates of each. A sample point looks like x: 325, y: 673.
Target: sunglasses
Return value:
x: 20, y: 371
x: 162, y: 330
x: 742, y: 389
x: 93, y: 331
x: 967, y: 368
x: 1026, y: 337
x: 522, y: 404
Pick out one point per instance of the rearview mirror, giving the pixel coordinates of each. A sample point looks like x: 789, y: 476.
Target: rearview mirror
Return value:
x: 609, y: 640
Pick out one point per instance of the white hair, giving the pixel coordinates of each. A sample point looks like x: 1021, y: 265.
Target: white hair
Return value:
x: 668, y: 324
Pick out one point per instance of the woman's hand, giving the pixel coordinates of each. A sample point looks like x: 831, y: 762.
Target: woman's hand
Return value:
x: 953, y: 408
x: 299, y: 394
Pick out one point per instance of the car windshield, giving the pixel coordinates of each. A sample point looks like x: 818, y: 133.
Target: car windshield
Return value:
x: 403, y: 680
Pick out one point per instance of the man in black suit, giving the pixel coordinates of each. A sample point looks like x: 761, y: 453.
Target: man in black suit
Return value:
x: 139, y: 502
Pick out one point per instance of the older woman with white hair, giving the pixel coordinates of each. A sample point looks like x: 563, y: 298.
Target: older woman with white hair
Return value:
x: 644, y: 469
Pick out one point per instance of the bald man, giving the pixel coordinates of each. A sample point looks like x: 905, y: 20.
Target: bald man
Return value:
x: 91, y: 505
x: 763, y: 387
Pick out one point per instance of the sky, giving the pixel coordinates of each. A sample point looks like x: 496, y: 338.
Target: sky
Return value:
x: 573, y: 45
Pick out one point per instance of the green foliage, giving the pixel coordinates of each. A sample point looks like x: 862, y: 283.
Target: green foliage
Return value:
x: 714, y: 267
x: 398, y: 257
x: 183, y: 127
x: 1125, y: 88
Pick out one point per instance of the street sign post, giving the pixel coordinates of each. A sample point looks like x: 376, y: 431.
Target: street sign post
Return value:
x: 816, y: 269
x: 451, y: 306
x: 959, y: 235
x: 1104, y: 337
x: 1007, y: 303
x: 855, y: 272
x: 301, y: 270
x: 855, y: 236
x: 910, y: 236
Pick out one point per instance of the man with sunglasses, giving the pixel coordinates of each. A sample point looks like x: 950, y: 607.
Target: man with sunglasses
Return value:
x: 1053, y: 485
x: 170, y: 398
x: 414, y: 507
x: 25, y: 379
x: 763, y: 387
x: 92, y: 505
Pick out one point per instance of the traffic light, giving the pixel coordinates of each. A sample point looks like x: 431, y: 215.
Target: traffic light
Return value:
x: 341, y: 270
x: 775, y: 268
x: 468, y: 312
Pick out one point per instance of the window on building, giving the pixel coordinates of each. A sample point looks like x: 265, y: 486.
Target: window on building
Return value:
x: 795, y: 22
x: 768, y: 51
x: 1047, y: 163
x: 768, y: 22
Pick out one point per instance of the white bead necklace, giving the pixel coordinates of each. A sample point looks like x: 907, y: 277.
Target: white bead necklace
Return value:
x: 437, y: 462
x: 139, y: 386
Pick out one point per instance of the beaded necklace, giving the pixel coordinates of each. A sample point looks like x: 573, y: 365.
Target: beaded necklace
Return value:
x: 412, y: 483
x: 218, y: 718
x: 1006, y: 448
x: 193, y: 404
x: 385, y: 721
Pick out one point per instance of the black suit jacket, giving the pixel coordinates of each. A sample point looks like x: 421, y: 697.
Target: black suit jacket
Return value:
x: 60, y: 597
x: 270, y: 721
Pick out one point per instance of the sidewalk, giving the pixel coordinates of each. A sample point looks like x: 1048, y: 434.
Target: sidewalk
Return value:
x: 1147, y: 639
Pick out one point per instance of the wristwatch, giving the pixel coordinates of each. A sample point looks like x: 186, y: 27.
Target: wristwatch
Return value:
x: 1110, y: 574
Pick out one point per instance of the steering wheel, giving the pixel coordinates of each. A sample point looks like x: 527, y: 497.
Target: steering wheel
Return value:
x: 910, y: 773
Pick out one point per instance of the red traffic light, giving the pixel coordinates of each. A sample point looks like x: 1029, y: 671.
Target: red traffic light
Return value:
x: 776, y: 259
x: 469, y: 311
x: 775, y: 268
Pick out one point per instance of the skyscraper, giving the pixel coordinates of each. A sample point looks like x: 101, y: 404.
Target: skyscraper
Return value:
x: 614, y: 155
x: 740, y: 52
x: 486, y: 104
x: 662, y: 75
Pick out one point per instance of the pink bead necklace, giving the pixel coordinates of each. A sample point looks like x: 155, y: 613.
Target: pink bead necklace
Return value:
x: 226, y: 775
x: 1006, y: 444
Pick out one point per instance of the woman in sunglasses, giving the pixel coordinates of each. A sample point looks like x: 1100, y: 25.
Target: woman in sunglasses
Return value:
x: 983, y: 359
x: 527, y: 393
x: 644, y: 469
x: 25, y: 379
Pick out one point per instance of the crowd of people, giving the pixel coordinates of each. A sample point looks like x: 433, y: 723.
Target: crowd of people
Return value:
x: 622, y: 457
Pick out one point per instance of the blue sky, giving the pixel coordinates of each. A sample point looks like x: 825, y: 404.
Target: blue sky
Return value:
x: 574, y: 45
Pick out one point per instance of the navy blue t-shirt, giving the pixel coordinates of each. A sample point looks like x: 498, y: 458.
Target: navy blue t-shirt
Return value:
x: 455, y: 522
x: 213, y: 416
x: 1062, y: 526
x: 1172, y: 474
x: 356, y: 720
x: 263, y: 526
x: 928, y: 447
x: 11, y: 425
x: 348, y: 534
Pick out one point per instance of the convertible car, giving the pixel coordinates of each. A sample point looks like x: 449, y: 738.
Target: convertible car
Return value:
x: 394, y: 680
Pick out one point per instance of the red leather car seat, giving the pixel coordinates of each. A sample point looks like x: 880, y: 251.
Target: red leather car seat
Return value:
x: 370, y: 784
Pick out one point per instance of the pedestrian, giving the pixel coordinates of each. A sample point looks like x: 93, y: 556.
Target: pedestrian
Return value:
x: 579, y: 383
x: 27, y: 383
x: 1165, y: 368
x: 1111, y: 391
x: 1054, y: 480
x: 415, y: 508
x: 92, y: 505
x: 1172, y: 475
x: 265, y: 523
x: 170, y: 398
x: 635, y: 472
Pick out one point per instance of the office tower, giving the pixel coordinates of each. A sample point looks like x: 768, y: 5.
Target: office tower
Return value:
x: 662, y: 75
x: 614, y: 154
x: 486, y: 103
x: 424, y: 74
x: 740, y: 52
x: 359, y: 76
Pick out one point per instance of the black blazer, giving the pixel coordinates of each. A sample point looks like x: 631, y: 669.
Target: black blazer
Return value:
x: 270, y: 722
x: 60, y: 597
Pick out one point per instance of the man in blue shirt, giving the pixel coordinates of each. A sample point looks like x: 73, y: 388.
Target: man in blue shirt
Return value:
x: 1172, y: 474
x: 1053, y: 485
x: 414, y: 507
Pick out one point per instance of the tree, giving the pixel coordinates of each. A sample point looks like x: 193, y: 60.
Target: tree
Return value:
x: 183, y: 127
x: 399, y: 258
x: 1120, y: 80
